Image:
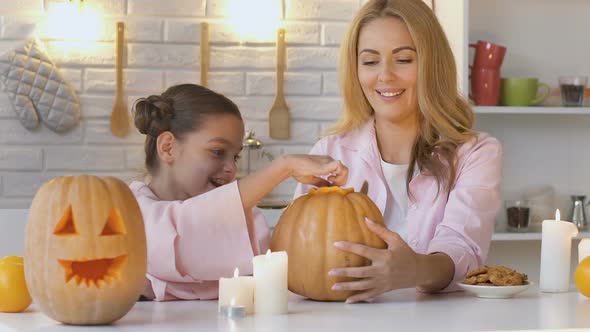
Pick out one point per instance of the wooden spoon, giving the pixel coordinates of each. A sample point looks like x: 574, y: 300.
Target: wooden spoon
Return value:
x: 204, y: 53
x: 120, y: 114
x: 279, y: 118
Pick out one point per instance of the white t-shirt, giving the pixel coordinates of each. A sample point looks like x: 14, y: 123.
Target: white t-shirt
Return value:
x: 396, y: 208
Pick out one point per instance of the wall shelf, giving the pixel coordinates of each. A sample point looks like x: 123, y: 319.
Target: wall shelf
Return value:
x: 531, y: 110
x: 532, y: 236
x: 272, y: 216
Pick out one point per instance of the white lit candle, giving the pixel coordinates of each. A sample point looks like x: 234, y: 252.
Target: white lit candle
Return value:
x: 556, y: 251
x: 270, y: 277
x: 583, y: 249
x: 240, y: 289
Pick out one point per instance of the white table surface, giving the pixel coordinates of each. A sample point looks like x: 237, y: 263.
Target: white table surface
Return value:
x: 403, y: 310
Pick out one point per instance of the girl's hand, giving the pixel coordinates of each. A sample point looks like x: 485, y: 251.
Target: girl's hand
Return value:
x: 305, y: 168
x: 308, y: 169
x: 392, y: 268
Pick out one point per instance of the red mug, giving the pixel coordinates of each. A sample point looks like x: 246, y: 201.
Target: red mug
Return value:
x: 485, y: 86
x: 488, y: 55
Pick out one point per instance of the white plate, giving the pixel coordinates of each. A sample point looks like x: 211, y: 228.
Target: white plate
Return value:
x: 495, y: 292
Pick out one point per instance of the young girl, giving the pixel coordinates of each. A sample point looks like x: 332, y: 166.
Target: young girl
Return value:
x: 200, y: 223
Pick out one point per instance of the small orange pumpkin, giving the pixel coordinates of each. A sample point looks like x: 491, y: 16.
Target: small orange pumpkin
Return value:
x: 308, y: 229
x: 85, y: 249
x: 14, y: 295
x: 582, y: 277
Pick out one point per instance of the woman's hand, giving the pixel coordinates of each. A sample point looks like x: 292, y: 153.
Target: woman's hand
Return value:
x: 392, y: 268
x: 308, y: 169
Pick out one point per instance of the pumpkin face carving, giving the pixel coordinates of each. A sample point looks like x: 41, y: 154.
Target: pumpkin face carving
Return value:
x: 85, y: 249
x: 92, y: 272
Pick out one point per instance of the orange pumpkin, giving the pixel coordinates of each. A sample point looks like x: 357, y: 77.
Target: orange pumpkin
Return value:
x: 14, y: 295
x: 582, y: 277
x: 308, y: 229
x: 85, y: 249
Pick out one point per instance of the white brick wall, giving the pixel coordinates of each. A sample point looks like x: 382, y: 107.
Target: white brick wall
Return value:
x: 163, y: 49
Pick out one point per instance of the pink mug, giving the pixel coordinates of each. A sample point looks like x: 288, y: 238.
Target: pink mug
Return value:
x: 488, y: 55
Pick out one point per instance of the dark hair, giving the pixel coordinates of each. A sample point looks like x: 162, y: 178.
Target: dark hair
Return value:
x: 181, y: 109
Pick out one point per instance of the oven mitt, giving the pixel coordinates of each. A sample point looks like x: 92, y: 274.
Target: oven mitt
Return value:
x: 37, y: 89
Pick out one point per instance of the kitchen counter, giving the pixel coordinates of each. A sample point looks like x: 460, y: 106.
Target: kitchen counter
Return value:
x: 403, y: 310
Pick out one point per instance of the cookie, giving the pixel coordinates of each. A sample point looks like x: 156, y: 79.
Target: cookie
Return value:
x: 482, y: 277
x: 477, y: 271
x: 470, y: 281
x: 495, y: 276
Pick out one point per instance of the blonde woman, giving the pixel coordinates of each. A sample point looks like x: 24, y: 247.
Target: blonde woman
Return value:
x: 406, y: 131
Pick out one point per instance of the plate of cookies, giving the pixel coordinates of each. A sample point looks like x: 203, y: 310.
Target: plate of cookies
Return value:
x: 495, y: 282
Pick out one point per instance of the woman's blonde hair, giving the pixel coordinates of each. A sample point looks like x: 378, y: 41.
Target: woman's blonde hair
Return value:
x: 445, y: 118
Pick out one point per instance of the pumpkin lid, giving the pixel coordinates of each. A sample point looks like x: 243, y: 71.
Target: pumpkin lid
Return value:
x: 331, y: 189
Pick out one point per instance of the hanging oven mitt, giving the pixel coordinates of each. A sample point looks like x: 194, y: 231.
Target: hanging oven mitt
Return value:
x: 37, y: 89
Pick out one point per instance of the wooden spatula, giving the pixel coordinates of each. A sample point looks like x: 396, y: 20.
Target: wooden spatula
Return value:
x: 120, y: 114
x: 278, y: 117
x: 204, y: 53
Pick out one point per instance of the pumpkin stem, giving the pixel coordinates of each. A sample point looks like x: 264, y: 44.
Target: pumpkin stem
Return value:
x: 331, y: 189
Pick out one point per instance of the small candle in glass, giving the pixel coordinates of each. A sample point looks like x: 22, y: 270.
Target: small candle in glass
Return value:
x: 239, y: 288
x: 232, y: 310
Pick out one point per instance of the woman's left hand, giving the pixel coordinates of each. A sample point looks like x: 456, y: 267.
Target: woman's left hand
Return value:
x: 392, y: 268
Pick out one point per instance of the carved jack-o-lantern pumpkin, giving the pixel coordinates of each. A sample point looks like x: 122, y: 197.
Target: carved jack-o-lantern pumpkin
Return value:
x: 85, y: 249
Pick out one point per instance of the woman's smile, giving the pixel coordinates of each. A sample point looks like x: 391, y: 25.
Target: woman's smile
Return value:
x: 390, y: 94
